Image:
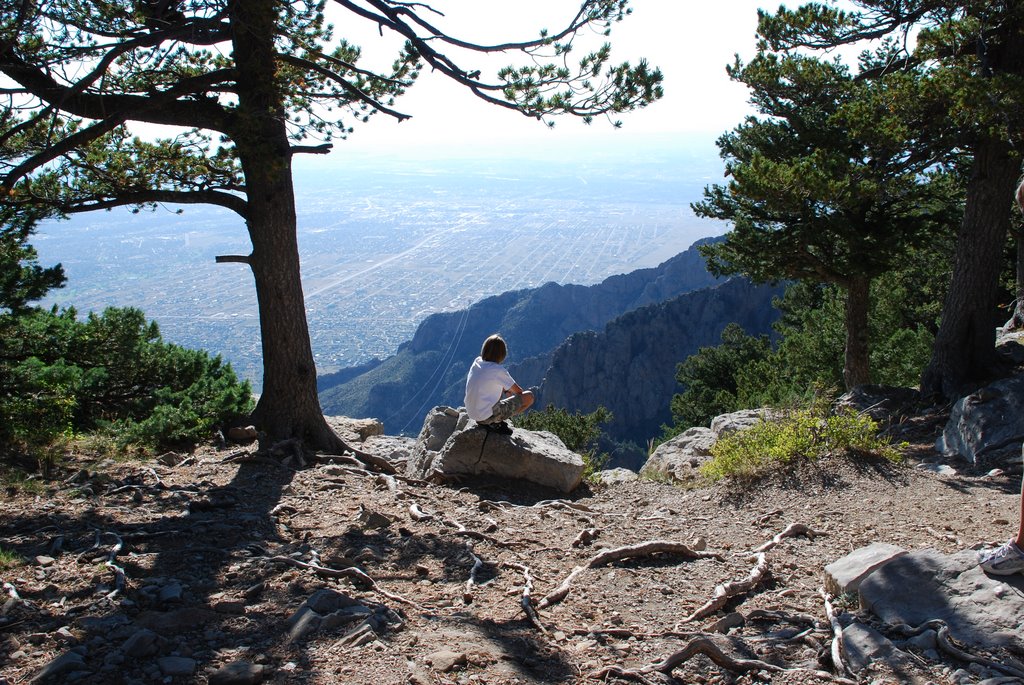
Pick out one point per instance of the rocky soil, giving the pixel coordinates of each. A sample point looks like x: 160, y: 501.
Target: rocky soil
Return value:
x: 232, y: 566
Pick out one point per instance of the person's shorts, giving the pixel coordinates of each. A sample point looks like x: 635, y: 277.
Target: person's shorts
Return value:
x: 505, y: 409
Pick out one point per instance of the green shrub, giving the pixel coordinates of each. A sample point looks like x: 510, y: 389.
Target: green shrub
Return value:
x: 113, y: 373
x: 580, y: 432
x: 806, y: 434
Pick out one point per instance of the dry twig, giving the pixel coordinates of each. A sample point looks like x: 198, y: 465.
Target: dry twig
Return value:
x: 351, y: 572
x: 837, y: 635
x: 525, y: 599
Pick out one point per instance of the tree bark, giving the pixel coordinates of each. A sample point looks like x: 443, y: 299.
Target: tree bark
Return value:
x: 964, y: 351
x: 288, y: 406
x: 856, y: 365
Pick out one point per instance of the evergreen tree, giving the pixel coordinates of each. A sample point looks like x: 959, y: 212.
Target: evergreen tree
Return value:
x: 815, y: 194
x: 249, y: 85
x: 966, y: 68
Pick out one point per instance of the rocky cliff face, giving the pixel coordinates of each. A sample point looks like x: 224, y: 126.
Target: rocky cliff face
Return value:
x: 629, y: 367
x: 430, y: 369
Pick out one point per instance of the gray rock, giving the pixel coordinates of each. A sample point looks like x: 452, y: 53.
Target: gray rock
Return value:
x: 355, y: 430
x: 326, y: 600
x: 863, y: 645
x: 176, y: 666
x: 172, y: 592
x: 679, y: 458
x: 987, y: 425
x: 242, y: 434
x: 986, y: 612
x: 142, y: 643
x: 617, y: 476
x: 447, y: 660
x: 741, y: 420
x: 395, y: 449
x: 63, y: 664
x: 846, y: 574
x: 239, y: 673
x: 535, y: 456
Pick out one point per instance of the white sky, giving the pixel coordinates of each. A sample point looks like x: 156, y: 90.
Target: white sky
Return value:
x: 691, y: 42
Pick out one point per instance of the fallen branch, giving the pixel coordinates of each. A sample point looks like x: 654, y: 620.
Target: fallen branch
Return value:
x: 644, y: 549
x: 726, y: 591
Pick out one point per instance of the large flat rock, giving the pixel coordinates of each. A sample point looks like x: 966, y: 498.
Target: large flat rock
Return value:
x: 982, y: 610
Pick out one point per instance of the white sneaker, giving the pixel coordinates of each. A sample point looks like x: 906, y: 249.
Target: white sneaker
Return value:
x: 1003, y: 561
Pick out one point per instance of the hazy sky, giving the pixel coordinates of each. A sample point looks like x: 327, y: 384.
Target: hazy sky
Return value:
x: 691, y: 42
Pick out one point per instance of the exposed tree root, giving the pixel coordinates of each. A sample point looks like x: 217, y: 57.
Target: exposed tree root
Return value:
x: 836, y: 649
x: 709, y: 647
x: 351, y: 573
x: 726, y: 591
x: 525, y: 599
x: 791, y: 531
x: 945, y: 642
x: 644, y: 549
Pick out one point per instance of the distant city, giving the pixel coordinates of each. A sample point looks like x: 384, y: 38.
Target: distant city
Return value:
x: 385, y: 244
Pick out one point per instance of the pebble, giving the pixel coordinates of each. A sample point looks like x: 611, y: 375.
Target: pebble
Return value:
x: 177, y: 666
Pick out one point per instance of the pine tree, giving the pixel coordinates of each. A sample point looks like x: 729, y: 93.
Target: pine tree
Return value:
x: 249, y: 85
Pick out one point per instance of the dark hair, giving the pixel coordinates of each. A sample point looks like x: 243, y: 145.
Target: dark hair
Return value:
x: 494, y: 349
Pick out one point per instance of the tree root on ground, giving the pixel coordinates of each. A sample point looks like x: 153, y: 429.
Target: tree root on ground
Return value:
x: 644, y: 549
x: 525, y: 599
x: 726, y: 591
x: 836, y: 649
x: 944, y: 640
x: 351, y: 573
x: 791, y: 531
x: 708, y: 646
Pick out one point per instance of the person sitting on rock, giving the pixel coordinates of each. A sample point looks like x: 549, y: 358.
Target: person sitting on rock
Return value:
x: 492, y: 396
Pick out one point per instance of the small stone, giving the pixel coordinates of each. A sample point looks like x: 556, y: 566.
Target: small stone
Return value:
x: 728, y: 622
x: 44, y: 561
x: 142, y: 643
x: 445, y: 660
x: 239, y: 673
x: 242, y: 434
x: 170, y: 593
x: 175, y: 666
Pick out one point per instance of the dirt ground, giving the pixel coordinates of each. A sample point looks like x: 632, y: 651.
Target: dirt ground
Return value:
x: 170, y: 571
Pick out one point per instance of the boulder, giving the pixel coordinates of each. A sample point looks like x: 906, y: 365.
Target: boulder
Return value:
x: 616, y: 476
x: 679, y: 458
x: 981, y: 610
x: 355, y: 430
x: 741, y: 420
x: 451, y: 444
x: 986, y: 426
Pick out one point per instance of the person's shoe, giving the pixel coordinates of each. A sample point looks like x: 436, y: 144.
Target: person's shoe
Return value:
x: 501, y: 428
x: 1003, y: 561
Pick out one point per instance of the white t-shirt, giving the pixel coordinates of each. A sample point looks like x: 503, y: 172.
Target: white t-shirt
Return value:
x: 484, y: 385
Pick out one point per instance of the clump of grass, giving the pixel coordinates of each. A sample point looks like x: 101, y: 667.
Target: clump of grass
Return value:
x: 800, y: 435
x: 9, y: 559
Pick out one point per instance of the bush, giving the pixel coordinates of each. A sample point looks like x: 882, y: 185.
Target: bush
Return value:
x: 113, y: 373
x: 802, y: 435
x: 580, y: 432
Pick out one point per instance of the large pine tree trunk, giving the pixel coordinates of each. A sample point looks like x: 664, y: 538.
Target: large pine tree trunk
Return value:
x: 288, y: 406
x: 856, y: 365
x: 964, y: 352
